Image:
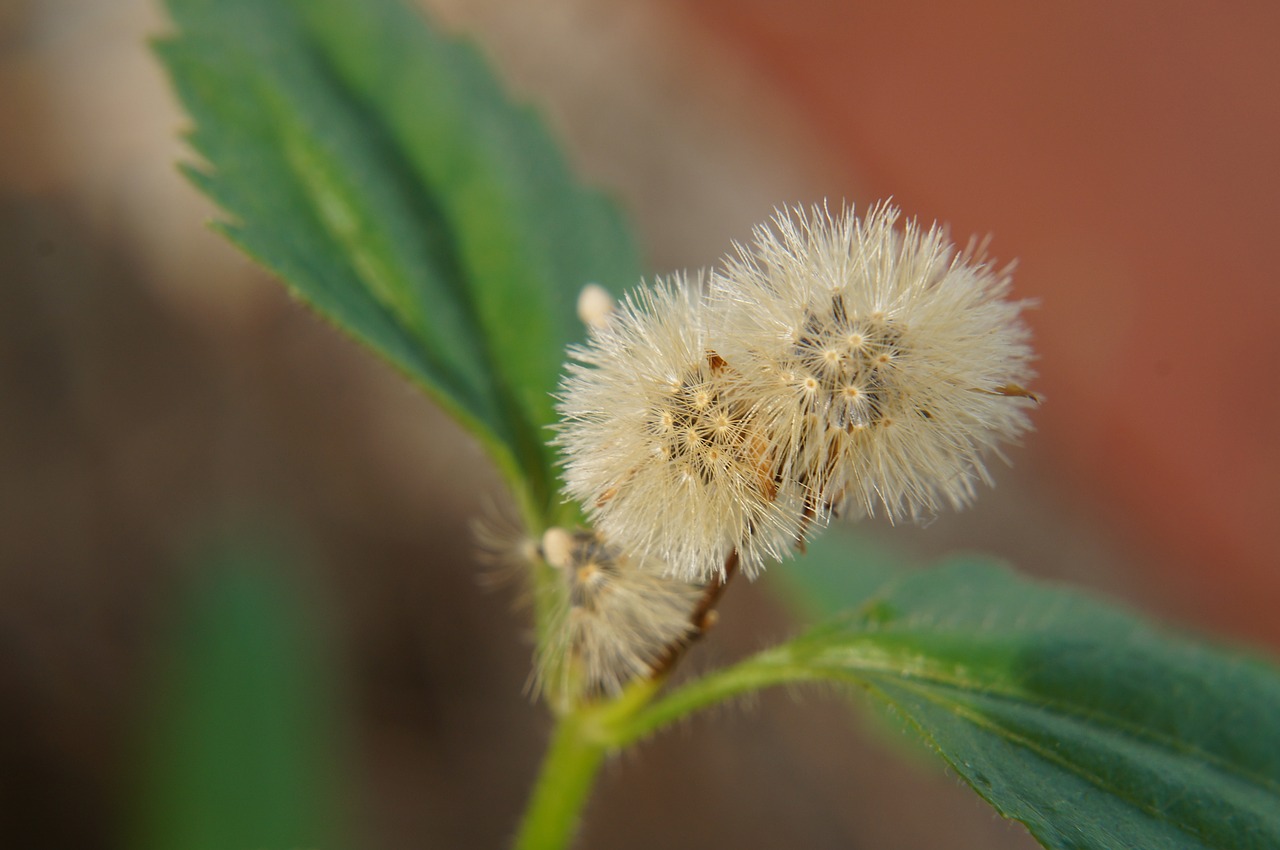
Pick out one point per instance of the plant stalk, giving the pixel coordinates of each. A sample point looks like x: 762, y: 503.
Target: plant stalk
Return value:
x: 568, y: 772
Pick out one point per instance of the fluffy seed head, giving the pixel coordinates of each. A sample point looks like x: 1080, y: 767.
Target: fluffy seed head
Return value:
x: 617, y: 618
x: 887, y: 363
x: 663, y: 449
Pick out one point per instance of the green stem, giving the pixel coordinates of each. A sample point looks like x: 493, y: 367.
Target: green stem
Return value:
x: 749, y: 676
x: 582, y: 738
x: 568, y: 772
x: 586, y: 733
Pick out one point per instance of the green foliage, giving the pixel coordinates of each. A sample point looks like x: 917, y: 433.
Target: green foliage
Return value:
x: 1089, y: 726
x: 241, y: 744
x: 381, y: 171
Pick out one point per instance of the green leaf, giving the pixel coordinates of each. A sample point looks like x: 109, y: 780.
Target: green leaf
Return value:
x: 380, y: 170
x: 240, y: 750
x: 1091, y: 727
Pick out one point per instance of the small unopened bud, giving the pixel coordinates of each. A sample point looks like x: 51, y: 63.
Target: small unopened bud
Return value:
x: 557, y: 548
x: 595, y: 306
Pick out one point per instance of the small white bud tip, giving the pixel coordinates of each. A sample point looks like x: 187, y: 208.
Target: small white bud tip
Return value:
x: 557, y: 548
x: 595, y: 306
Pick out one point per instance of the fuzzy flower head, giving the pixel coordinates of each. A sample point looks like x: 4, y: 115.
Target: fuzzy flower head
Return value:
x: 616, y: 621
x: 887, y: 364
x: 661, y: 447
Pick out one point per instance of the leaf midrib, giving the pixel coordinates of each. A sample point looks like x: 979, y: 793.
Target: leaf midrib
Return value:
x: 881, y: 663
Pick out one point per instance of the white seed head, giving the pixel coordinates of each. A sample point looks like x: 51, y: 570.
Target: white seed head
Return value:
x: 663, y: 449
x: 617, y: 620
x: 907, y: 358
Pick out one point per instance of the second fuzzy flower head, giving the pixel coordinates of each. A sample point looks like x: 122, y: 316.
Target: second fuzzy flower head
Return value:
x: 841, y: 365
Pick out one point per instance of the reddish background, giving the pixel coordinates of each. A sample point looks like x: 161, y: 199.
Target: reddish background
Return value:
x: 1127, y: 155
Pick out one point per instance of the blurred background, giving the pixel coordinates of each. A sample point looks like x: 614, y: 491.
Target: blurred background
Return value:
x: 156, y: 388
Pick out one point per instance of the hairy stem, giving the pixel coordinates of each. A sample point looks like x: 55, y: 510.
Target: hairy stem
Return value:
x: 568, y: 772
x: 704, y: 692
x: 582, y: 738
